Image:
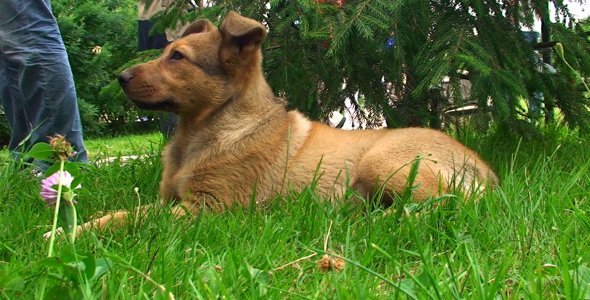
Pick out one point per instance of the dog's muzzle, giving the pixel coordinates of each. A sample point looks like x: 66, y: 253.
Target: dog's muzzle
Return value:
x: 125, y: 77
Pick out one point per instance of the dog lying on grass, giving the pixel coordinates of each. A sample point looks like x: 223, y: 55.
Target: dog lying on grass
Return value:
x: 236, y: 141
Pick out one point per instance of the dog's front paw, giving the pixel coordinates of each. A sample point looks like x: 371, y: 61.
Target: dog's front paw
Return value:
x: 47, y: 235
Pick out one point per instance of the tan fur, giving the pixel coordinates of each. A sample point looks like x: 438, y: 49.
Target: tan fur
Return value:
x: 235, y: 137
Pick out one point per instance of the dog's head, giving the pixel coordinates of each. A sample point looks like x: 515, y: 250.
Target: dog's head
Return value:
x: 201, y: 70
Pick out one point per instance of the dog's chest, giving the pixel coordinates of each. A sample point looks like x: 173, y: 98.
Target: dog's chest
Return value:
x: 226, y: 172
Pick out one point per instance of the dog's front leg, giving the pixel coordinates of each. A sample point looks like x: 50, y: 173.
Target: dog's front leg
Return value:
x: 122, y: 217
x: 117, y: 219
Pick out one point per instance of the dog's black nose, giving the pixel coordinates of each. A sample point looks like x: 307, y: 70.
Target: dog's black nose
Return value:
x: 125, y: 77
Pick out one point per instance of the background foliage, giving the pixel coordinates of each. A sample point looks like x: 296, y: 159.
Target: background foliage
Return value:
x: 397, y: 54
x: 402, y: 61
x: 100, y: 37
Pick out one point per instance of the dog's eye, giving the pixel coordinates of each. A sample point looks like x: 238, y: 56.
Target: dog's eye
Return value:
x: 176, y: 55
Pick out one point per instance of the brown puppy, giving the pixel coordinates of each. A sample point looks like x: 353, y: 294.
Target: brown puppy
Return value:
x: 234, y: 138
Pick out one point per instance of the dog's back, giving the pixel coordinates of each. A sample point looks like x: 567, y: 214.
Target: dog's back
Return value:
x: 369, y: 159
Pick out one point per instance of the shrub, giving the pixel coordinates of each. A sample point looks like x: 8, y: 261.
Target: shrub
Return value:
x: 100, y: 36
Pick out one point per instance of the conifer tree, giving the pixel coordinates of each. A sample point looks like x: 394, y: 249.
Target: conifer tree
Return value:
x: 391, y: 57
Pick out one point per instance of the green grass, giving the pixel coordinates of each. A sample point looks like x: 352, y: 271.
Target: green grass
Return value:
x: 530, y: 238
x: 101, y: 148
x: 124, y: 145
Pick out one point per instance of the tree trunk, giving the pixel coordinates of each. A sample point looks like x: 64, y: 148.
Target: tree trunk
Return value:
x: 546, y: 54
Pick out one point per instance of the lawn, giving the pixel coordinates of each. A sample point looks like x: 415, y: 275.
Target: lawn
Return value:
x: 529, y: 238
x: 102, y: 148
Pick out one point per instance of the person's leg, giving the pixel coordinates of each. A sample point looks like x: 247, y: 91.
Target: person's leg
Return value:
x: 13, y: 110
x: 38, y: 94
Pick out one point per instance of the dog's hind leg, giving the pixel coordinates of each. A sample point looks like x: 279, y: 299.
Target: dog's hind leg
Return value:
x: 378, y: 175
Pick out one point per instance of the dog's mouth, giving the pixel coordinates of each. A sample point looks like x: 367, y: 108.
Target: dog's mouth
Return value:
x: 164, y: 105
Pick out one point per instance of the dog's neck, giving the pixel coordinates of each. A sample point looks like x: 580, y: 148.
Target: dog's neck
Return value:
x: 253, y: 104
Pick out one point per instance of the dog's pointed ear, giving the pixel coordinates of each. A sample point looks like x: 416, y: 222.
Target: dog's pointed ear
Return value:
x: 241, y: 38
x: 199, y: 26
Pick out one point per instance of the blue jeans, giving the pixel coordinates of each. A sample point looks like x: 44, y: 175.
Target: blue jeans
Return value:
x: 36, y: 83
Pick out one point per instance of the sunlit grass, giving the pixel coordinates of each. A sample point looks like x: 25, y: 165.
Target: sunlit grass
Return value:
x: 101, y: 148
x: 124, y: 145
